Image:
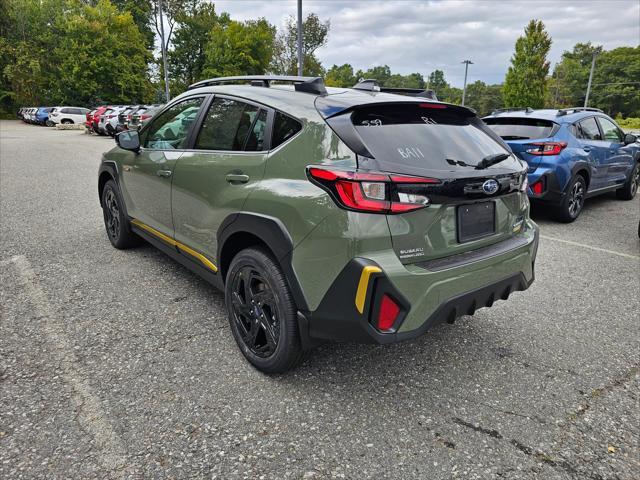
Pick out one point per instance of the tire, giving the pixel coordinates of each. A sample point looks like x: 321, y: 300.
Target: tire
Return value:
x: 262, y: 312
x: 115, y: 221
x: 573, y: 201
x: 66, y: 121
x: 630, y: 188
x: 50, y: 124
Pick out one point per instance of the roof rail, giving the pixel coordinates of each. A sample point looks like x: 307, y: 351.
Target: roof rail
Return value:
x: 313, y: 85
x: 513, y: 109
x: 566, y: 111
x: 372, y: 85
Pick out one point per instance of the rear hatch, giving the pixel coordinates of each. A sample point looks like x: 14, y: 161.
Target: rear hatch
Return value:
x: 470, y: 204
x: 521, y: 134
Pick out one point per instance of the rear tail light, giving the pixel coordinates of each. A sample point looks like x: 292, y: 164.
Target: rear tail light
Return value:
x: 144, y: 117
x: 546, y: 148
x: 373, y: 192
x: 388, y: 313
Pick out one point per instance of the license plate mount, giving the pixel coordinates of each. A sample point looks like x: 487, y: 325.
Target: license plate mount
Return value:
x: 476, y: 220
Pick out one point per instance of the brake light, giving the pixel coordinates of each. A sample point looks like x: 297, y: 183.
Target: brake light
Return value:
x: 432, y: 105
x: 144, y: 117
x: 388, y: 313
x: 373, y: 192
x: 546, y: 148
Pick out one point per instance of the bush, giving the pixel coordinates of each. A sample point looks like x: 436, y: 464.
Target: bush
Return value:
x: 629, y: 123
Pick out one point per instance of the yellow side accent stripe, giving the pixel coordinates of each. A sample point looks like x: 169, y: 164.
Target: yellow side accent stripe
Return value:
x: 181, y: 246
x: 363, y: 285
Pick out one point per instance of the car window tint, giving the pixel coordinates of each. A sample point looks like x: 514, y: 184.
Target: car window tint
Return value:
x: 284, y: 127
x: 610, y: 130
x: 170, y: 130
x: 255, y: 142
x: 515, y: 128
x: 589, y: 129
x: 226, y: 125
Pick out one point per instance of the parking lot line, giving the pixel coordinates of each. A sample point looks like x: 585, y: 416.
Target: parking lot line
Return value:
x: 590, y: 247
x: 90, y: 413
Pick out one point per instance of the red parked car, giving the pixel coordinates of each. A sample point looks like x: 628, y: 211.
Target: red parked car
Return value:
x: 96, y: 118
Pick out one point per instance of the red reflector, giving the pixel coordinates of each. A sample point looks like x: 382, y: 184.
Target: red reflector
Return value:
x: 432, y: 105
x: 537, y: 187
x: 388, y: 314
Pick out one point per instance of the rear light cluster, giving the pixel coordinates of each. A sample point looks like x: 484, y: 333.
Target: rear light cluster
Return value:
x: 538, y: 187
x: 546, y: 148
x: 373, y: 192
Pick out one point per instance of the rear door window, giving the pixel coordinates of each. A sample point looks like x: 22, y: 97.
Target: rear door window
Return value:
x: 406, y: 137
x: 227, y: 125
x: 513, y: 128
x: 588, y: 129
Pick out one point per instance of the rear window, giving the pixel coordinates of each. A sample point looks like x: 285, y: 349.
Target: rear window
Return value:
x: 425, y: 136
x: 521, y: 128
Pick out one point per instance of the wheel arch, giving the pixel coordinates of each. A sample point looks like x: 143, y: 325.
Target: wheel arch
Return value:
x: 108, y: 171
x: 583, y: 169
x: 242, y: 230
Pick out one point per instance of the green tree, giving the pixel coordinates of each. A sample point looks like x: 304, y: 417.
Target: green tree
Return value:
x: 340, y: 76
x: 285, y: 48
x: 436, y: 82
x: 240, y: 48
x: 568, y: 83
x: 187, y: 58
x: 142, y: 13
x: 103, y: 57
x: 616, y: 82
x: 526, y: 80
x: 483, y: 98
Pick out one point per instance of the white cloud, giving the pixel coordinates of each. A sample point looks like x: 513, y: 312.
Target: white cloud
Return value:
x: 420, y: 36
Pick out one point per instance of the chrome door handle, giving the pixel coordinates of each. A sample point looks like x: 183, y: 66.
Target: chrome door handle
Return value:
x: 164, y: 173
x: 237, y: 178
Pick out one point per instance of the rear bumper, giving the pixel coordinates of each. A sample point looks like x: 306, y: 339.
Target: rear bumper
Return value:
x: 427, y: 298
x: 553, y: 193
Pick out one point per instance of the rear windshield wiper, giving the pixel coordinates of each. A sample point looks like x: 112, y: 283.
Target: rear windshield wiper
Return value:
x: 491, y: 160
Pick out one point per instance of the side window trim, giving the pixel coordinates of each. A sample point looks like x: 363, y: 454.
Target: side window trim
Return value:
x: 156, y: 117
x: 272, y: 120
x: 620, y: 132
x: 201, y: 117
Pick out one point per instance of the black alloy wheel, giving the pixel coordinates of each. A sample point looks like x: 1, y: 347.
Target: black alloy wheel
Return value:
x: 573, y: 201
x: 630, y: 188
x: 262, y: 313
x: 255, y: 312
x: 115, y: 220
x: 576, y: 199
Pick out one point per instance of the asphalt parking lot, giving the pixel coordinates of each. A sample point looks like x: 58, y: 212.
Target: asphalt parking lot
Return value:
x: 121, y: 364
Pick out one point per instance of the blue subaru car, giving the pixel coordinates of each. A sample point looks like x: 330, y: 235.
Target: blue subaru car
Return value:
x: 572, y: 154
x: 42, y: 115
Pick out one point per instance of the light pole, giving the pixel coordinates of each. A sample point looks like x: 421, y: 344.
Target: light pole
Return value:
x: 593, y: 66
x: 464, y: 88
x: 164, y: 52
x: 299, y: 38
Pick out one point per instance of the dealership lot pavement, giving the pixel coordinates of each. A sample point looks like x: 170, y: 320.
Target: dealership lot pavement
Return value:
x: 120, y: 364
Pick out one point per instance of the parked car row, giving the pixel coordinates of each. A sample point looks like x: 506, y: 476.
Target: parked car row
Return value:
x: 113, y: 119
x: 50, y: 116
x: 104, y: 120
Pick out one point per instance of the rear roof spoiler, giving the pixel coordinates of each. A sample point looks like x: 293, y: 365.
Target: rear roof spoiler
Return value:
x: 514, y: 109
x: 372, y: 85
x: 313, y: 85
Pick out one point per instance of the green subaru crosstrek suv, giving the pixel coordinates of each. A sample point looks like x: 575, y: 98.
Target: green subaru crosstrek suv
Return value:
x: 354, y: 214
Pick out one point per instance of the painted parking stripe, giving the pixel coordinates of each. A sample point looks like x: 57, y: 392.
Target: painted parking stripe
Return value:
x: 92, y: 417
x: 597, y: 249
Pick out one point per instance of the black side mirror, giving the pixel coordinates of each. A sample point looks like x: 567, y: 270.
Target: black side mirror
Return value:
x: 630, y: 138
x: 129, y: 140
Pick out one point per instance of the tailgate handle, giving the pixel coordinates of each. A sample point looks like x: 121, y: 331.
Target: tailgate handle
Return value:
x: 237, y: 178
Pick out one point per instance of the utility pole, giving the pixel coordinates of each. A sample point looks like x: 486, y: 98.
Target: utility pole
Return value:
x: 299, y: 38
x: 464, y: 88
x: 593, y: 66
x: 164, y: 52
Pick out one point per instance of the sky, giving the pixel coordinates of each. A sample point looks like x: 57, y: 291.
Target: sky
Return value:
x: 421, y: 36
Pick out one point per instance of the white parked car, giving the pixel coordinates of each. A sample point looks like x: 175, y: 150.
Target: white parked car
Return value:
x: 69, y: 115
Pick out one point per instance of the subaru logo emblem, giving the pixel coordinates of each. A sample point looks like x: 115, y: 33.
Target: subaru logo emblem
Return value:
x: 490, y: 186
